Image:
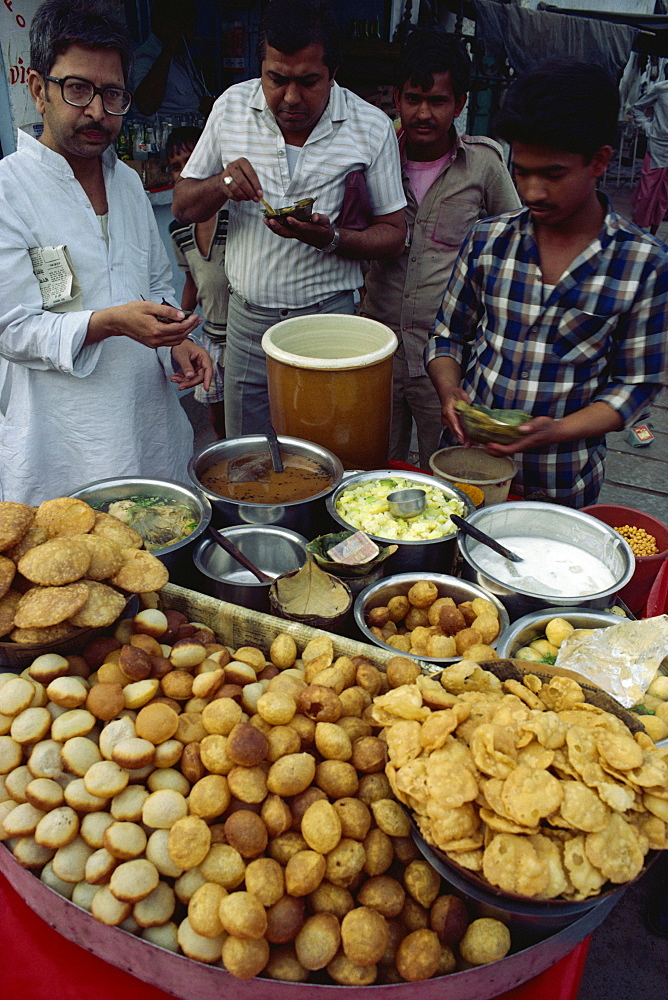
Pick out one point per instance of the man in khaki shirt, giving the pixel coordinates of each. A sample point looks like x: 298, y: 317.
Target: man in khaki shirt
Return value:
x: 450, y: 182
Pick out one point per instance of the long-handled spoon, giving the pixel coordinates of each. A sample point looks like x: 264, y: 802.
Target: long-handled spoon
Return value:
x: 480, y: 536
x: 274, y: 449
x: 237, y: 554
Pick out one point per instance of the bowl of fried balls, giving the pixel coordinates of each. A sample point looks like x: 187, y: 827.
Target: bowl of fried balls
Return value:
x: 432, y: 617
x: 66, y: 569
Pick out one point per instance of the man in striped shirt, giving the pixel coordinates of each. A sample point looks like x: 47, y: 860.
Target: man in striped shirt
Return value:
x: 292, y: 134
x: 560, y: 308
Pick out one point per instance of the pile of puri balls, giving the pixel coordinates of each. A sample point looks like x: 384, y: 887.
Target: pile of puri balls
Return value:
x: 65, y: 566
x: 424, y: 624
x: 229, y: 805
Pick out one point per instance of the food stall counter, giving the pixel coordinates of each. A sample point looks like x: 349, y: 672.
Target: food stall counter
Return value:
x: 40, y: 964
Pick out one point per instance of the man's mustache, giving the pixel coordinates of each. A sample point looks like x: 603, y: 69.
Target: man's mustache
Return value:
x: 93, y: 128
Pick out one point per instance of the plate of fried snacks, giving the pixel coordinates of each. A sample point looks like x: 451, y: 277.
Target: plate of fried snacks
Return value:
x: 64, y: 568
x: 302, y: 210
x: 532, y: 785
x: 228, y: 803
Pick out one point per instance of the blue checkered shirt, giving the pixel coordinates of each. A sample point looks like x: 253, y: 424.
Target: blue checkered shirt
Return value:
x: 600, y: 333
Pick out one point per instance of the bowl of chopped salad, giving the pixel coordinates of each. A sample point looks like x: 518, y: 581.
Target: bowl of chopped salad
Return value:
x: 169, y: 516
x: 426, y: 542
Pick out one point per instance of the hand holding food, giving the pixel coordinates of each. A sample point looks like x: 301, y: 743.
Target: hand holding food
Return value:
x: 240, y: 182
x: 141, y: 321
x: 486, y: 425
x: 316, y: 230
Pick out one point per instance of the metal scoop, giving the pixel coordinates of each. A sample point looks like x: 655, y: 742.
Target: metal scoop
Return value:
x: 274, y: 449
x: 406, y: 503
x: 480, y: 536
x: 250, y: 468
x: 237, y: 554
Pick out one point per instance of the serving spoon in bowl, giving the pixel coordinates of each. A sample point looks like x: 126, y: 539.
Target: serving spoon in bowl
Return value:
x: 237, y: 554
x: 481, y: 536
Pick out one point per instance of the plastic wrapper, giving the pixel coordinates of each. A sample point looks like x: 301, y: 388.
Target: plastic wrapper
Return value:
x: 622, y: 659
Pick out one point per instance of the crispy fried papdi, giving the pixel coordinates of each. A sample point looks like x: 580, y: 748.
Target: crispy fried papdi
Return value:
x: 109, y: 526
x: 41, y: 636
x: 35, y: 535
x: 43, y: 606
x: 103, y: 606
x: 7, y: 573
x: 58, y: 561
x: 106, y: 555
x: 15, y: 519
x: 140, y: 572
x: 529, y: 785
x: 8, y: 605
x: 65, y: 516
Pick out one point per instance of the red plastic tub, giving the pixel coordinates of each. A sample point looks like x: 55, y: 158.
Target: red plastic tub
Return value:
x: 636, y: 591
x: 657, y: 602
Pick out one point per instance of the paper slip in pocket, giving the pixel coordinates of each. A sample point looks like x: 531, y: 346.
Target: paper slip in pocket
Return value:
x: 58, y: 282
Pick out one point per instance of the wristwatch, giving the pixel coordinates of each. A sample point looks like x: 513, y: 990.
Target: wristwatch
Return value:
x: 333, y: 246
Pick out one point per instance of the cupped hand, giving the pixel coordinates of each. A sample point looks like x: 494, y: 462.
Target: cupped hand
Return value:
x: 148, y: 323
x: 316, y: 233
x: 449, y: 416
x: 536, y: 434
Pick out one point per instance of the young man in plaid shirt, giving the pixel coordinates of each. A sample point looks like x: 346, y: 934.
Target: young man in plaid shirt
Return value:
x: 559, y: 308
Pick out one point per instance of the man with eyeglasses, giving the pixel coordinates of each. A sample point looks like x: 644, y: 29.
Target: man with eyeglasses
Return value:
x: 85, y: 389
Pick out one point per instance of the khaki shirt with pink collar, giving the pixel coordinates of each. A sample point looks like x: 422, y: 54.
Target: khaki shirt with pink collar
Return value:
x: 406, y: 293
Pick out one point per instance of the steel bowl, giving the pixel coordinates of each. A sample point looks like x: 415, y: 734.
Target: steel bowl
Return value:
x: 523, y: 915
x: 532, y: 626
x: 436, y: 555
x: 177, y: 557
x: 378, y: 594
x: 545, y: 522
x: 273, y: 549
x: 406, y: 503
x: 308, y: 516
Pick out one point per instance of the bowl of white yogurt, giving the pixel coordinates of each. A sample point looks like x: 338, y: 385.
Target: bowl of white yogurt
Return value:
x: 568, y: 558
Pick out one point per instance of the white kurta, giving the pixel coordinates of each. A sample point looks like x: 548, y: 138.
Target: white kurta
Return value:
x: 71, y: 414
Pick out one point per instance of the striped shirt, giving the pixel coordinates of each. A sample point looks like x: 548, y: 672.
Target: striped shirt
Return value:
x: 207, y: 271
x: 264, y: 268
x: 598, y: 335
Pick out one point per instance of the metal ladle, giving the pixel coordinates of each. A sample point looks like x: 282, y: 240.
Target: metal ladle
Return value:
x: 237, y: 554
x: 274, y: 449
x: 480, y: 536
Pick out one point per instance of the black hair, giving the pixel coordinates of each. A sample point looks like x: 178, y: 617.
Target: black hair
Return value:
x: 291, y: 25
x: 563, y: 104
x: 431, y: 50
x: 170, y: 13
x: 57, y: 24
x: 183, y: 137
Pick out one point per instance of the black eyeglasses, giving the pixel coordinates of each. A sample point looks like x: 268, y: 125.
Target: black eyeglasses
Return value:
x: 80, y: 93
